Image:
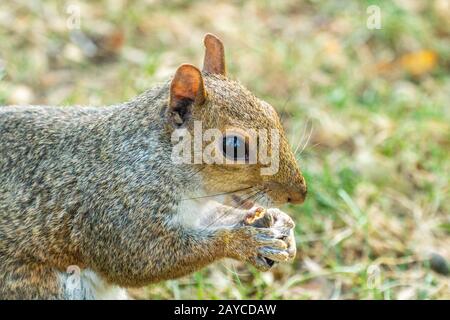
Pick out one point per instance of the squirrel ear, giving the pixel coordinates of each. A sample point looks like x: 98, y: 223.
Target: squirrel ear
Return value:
x: 214, y: 61
x: 186, y: 89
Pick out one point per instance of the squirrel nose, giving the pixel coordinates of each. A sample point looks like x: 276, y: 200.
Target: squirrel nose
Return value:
x: 296, y: 197
x: 297, y: 194
x: 289, y: 192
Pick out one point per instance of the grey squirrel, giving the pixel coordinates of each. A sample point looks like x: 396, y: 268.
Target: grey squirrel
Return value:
x: 97, y: 188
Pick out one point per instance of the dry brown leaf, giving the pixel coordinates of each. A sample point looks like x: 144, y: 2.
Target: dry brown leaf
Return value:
x: 419, y: 62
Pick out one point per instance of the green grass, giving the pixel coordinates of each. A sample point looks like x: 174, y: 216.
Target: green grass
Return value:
x: 377, y: 162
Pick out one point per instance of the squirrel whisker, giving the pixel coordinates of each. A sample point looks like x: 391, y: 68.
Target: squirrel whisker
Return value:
x: 217, y: 194
x: 255, y: 194
x: 300, y: 142
x: 307, y: 139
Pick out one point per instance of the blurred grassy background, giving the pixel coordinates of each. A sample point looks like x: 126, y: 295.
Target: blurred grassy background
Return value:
x: 368, y: 110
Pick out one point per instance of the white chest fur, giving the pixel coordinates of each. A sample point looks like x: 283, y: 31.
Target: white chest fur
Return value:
x: 195, y: 213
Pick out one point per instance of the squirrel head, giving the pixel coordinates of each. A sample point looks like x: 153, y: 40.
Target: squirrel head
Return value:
x: 237, y: 140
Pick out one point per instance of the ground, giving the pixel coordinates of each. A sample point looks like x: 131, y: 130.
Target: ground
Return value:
x: 366, y: 109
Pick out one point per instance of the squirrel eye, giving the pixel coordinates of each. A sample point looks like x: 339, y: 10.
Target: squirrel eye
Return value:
x: 235, y: 148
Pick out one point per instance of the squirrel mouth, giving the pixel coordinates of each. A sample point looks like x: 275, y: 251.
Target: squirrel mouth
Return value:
x: 239, y: 202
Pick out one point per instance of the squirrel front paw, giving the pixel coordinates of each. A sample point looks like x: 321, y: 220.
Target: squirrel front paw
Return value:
x: 280, y: 222
x: 284, y: 224
x: 263, y: 238
x: 251, y: 244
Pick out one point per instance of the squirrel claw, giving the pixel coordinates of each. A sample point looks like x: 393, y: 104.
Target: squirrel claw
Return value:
x: 274, y: 254
x: 262, y: 263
